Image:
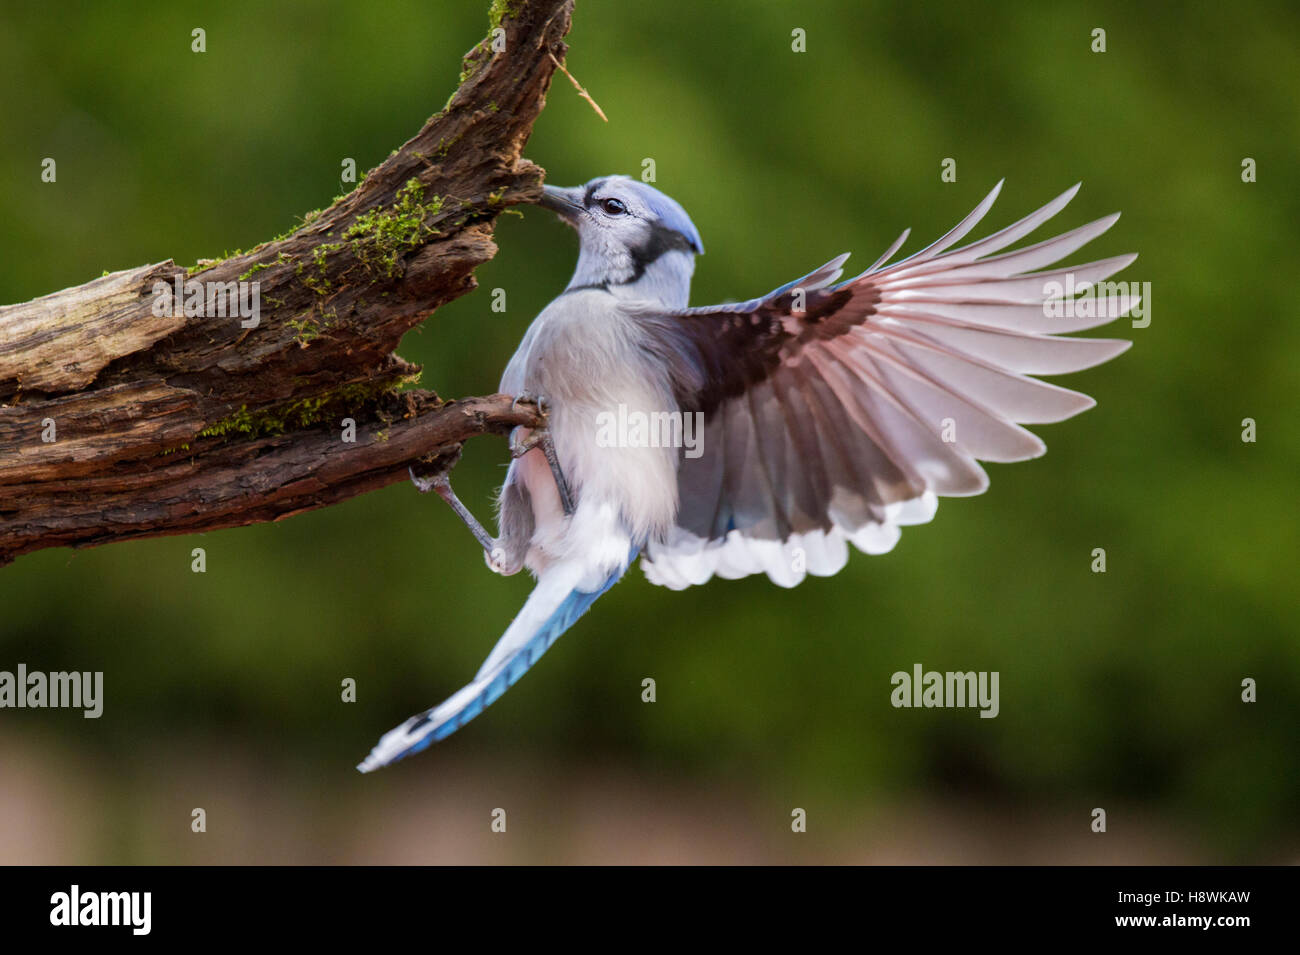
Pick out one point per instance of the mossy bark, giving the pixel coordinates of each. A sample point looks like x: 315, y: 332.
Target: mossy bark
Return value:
x: 171, y: 425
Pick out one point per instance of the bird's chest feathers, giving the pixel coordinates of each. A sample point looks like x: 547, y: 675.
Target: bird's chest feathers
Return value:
x: 587, y: 357
x: 612, y: 410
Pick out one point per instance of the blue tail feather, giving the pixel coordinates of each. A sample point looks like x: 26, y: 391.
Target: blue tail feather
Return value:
x: 564, y: 616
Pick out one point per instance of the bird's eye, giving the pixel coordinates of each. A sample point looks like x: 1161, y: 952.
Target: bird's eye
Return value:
x: 613, y: 207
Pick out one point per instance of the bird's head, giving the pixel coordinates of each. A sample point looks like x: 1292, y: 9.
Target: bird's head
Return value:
x: 634, y: 239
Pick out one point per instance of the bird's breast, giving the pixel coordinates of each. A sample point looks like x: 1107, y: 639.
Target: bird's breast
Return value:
x: 613, y: 416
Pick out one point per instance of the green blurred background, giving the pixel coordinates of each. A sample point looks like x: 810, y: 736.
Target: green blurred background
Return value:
x: 1118, y: 690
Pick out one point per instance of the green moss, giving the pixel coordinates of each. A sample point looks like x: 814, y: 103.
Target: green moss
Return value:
x: 301, y: 224
x: 499, y: 10
x: 305, y: 330
x: 316, y: 276
x: 252, y: 270
x: 241, y: 422
x: 202, y: 265
x: 381, y: 237
x: 303, y: 412
x: 318, y: 284
x: 322, y: 251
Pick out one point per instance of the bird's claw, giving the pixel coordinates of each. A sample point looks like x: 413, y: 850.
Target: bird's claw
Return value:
x: 543, y: 403
x: 496, y: 560
x: 540, y: 437
x: 431, y: 483
x: 519, y: 448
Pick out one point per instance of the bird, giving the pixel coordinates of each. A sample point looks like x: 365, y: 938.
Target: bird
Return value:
x: 832, y: 411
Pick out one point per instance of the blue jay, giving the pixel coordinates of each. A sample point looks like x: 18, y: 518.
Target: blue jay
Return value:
x: 834, y: 412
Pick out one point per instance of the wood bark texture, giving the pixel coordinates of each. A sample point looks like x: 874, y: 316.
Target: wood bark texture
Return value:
x: 118, y: 422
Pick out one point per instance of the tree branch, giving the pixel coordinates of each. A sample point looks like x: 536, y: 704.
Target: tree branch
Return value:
x: 122, y: 418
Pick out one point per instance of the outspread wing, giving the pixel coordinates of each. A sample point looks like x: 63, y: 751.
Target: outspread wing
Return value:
x: 836, y: 413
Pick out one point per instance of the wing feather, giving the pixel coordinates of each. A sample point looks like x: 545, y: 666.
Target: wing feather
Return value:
x: 837, y: 414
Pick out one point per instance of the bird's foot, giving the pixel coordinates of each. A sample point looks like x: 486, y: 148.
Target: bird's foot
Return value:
x: 431, y: 482
x: 543, y: 403
x: 496, y: 560
x: 541, y: 438
x: 518, y: 448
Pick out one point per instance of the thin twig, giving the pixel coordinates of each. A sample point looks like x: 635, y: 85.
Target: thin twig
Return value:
x: 578, y: 86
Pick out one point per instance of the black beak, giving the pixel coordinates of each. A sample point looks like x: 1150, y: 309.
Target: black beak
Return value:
x: 565, y: 203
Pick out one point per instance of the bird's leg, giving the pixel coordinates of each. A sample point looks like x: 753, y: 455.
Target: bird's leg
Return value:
x: 541, y: 438
x: 441, y: 483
